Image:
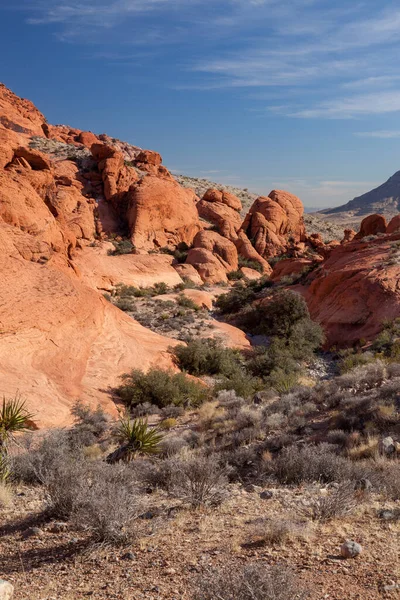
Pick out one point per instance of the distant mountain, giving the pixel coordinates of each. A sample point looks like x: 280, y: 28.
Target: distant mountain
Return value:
x: 384, y: 199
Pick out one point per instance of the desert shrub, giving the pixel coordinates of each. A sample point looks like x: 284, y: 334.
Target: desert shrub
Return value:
x: 238, y: 297
x: 338, y: 502
x: 254, y: 581
x: 186, y: 284
x: 350, y: 359
x: 125, y: 304
x: 387, y: 342
x: 310, y: 463
x: 172, y: 445
x: 161, y: 388
x: 242, y: 383
x: 33, y: 464
x: 66, y: 482
x: 168, y: 423
x: 276, y: 364
x: 160, y: 288
x: 277, y: 532
x: 198, y: 480
x: 90, y: 425
x: 206, y: 357
x: 235, y: 275
x: 110, y: 505
x: 121, y: 247
x: 250, y: 264
x: 6, y: 495
x: 186, y: 302
x: 278, y: 316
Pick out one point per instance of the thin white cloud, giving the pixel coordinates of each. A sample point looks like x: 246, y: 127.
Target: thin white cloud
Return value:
x: 383, y: 134
x: 342, y: 59
x: 360, y: 105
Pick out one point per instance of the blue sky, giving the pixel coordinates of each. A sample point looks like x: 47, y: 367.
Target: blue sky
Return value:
x: 302, y: 95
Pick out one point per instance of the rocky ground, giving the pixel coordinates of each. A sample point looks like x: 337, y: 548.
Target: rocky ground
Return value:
x: 45, y: 560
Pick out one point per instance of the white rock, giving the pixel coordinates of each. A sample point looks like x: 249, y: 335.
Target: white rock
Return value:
x: 6, y: 590
x: 350, y: 549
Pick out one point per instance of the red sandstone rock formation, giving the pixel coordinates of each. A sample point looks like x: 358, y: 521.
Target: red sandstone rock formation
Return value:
x: 371, y: 225
x: 393, y: 225
x: 59, y: 340
x: 355, y: 290
x: 274, y: 222
x: 161, y: 213
x: 290, y: 266
x: 222, y: 209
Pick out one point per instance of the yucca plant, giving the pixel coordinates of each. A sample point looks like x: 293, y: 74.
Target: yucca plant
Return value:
x: 14, y: 418
x: 135, y: 437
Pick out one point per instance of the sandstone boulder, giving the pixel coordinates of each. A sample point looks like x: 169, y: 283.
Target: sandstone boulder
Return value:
x: 247, y: 251
x: 222, y: 210
x: 393, y: 225
x: 371, y: 225
x: 161, y: 213
x: 223, y: 249
x: 188, y: 272
x: 250, y: 274
x: 207, y: 265
x: 273, y: 222
x: 87, y: 138
x: 223, y: 197
x: 290, y: 266
x: 36, y: 160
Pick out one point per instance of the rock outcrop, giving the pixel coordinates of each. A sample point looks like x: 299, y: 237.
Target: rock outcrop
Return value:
x: 355, y: 290
x: 275, y: 222
x: 60, y: 340
x: 222, y: 209
x: 371, y: 225
x: 161, y: 213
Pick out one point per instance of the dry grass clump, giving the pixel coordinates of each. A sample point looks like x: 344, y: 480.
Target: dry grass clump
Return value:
x: 254, y: 581
x: 338, y: 502
x: 6, y: 495
x: 309, y: 464
x: 199, y: 480
x: 278, y: 532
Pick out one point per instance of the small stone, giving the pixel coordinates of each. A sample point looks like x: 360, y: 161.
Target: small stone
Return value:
x: 350, y: 549
x: 387, y: 514
x: 6, y: 590
x: 170, y: 571
x: 392, y: 587
x: 32, y: 532
x: 387, y: 446
x: 364, y: 484
x: 58, y: 527
x: 266, y: 495
x: 128, y: 556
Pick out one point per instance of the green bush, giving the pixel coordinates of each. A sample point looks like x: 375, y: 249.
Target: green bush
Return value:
x: 122, y: 247
x: 235, y: 299
x: 161, y: 388
x: 206, y: 357
x: 387, y: 343
x: 242, y: 383
x: 351, y: 359
x: 235, y: 275
x: 279, y: 316
x: 250, y: 264
x: 186, y: 302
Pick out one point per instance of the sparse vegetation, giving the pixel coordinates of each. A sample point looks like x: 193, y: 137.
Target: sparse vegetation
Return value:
x: 122, y: 247
x: 255, y: 581
x: 161, y: 388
